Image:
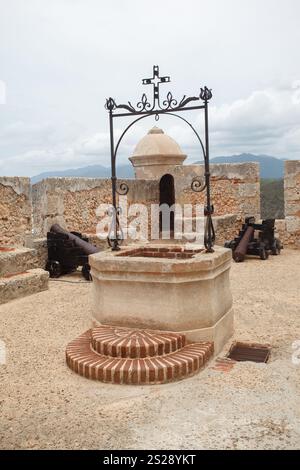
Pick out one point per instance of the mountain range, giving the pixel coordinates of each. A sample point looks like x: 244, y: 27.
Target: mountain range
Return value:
x: 91, y: 171
x: 270, y: 167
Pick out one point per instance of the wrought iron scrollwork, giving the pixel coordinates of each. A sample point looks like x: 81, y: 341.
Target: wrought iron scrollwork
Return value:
x: 169, y: 104
x: 186, y: 100
x: 115, y: 236
x: 198, y: 184
x: 123, y: 189
x: 144, y: 104
x: 144, y: 109
x: 128, y: 107
x: 110, y: 104
x: 209, y: 232
x: 205, y: 94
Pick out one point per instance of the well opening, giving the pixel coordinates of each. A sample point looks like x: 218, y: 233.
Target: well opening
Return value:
x: 170, y: 253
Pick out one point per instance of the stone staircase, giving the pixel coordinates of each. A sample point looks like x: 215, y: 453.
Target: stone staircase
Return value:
x: 19, y: 275
x: 135, y: 357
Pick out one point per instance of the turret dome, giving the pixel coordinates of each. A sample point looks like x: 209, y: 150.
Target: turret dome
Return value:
x: 158, y: 152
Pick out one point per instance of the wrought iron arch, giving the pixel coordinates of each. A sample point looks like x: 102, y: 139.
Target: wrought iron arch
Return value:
x: 145, y: 109
x: 195, y: 182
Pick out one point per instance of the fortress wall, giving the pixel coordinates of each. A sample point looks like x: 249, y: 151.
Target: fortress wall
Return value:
x: 72, y: 202
x: 235, y: 193
x: 235, y: 187
x: 291, y: 225
x: 15, y: 210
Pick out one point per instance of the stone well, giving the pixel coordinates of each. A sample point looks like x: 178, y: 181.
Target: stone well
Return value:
x: 171, y: 288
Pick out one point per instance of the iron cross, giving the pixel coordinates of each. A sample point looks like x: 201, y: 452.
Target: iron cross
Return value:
x: 155, y: 81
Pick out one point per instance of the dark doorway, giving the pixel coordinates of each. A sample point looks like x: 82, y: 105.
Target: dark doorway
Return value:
x: 166, y: 196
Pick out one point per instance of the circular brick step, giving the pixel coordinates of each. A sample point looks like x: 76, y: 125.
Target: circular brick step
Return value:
x: 85, y: 361
x: 125, y: 342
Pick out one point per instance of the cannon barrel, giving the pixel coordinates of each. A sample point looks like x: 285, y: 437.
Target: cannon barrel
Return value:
x: 241, y: 250
x: 86, y: 247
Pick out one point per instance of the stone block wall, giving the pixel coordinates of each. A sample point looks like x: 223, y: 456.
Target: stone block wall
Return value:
x: 72, y: 202
x: 292, y: 203
x: 226, y: 228
x: 288, y: 229
x: 235, y: 194
x: 235, y: 187
x: 15, y: 210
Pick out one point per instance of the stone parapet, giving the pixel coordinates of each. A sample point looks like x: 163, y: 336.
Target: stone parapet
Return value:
x: 235, y: 188
x: 73, y: 202
x: 291, y: 235
x: 15, y: 210
x: 70, y: 202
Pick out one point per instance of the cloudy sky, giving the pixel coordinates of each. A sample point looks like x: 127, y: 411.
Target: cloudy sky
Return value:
x: 60, y: 59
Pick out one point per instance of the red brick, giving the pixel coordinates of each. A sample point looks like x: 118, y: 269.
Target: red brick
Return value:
x: 129, y: 361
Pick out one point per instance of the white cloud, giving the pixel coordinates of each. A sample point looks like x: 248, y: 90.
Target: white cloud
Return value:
x: 61, y: 59
x: 267, y: 121
x: 46, y: 153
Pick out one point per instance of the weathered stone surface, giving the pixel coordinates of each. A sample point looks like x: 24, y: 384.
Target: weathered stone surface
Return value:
x: 291, y: 235
x: 13, y: 286
x: 70, y: 202
x: 292, y: 224
x: 235, y: 188
x: 73, y: 202
x: 280, y: 231
x: 226, y: 227
x: 39, y: 245
x: 15, y: 210
x: 16, y: 260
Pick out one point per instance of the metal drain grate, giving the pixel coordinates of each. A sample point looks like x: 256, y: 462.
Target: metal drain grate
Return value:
x: 249, y: 352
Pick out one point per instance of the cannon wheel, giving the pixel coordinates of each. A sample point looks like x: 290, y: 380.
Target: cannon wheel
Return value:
x: 276, y: 248
x: 54, y: 268
x: 231, y: 245
x: 86, y: 272
x: 263, y: 253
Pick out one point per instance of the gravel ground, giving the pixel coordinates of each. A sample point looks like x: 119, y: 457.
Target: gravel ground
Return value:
x: 45, y: 405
